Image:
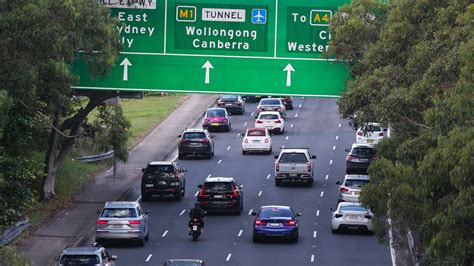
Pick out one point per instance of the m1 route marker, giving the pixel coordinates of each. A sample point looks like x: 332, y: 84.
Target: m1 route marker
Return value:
x: 171, y: 43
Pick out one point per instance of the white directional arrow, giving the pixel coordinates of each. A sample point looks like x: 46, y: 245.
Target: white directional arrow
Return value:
x: 125, y: 63
x: 288, y: 70
x: 207, y: 66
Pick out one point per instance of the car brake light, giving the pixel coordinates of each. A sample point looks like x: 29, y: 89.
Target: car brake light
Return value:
x: 206, y: 121
x: 290, y: 223
x: 176, y: 177
x: 102, y: 222
x: 349, y: 158
x: 233, y: 194
x: 278, y: 109
x: 205, y: 141
x: 360, y: 133
x: 259, y: 122
x: 308, y: 165
x: 266, y: 140
x: 238, y: 103
x: 260, y: 222
x: 278, y: 121
x: 202, y: 194
x: 246, y: 141
x: 368, y: 216
x: 134, y: 222
x: 381, y: 134
x: 343, y: 189
x: 277, y: 166
x: 338, y: 215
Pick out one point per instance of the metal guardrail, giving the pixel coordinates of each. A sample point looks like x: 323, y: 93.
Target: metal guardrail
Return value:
x: 97, y: 157
x: 13, y: 232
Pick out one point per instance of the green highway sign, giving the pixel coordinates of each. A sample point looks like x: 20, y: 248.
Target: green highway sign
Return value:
x: 266, y: 47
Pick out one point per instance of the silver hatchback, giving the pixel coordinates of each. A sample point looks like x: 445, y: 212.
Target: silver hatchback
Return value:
x: 123, y: 220
x: 350, y: 187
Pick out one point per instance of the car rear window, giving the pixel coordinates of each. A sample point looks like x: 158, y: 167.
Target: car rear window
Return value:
x: 229, y: 98
x: 356, y: 183
x: 256, y: 133
x: 372, y: 128
x: 194, y: 135
x: 79, y: 260
x: 119, y: 213
x: 293, y: 158
x: 153, y: 169
x: 363, y: 151
x: 215, y: 113
x: 353, y: 208
x: 183, y: 263
x: 218, y: 186
x: 275, y: 212
x: 270, y: 102
x: 268, y: 116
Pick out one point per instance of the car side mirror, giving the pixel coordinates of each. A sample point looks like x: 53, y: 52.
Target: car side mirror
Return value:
x: 298, y: 214
x: 200, y: 186
x: 255, y: 117
x: 347, y: 150
x: 254, y: 213
x: 143, y: 170
x: 276, y: 156
x: 313, y: 156
x: 113, y: 257
x: 338, y: 182
x: 147, y: 212
x: 179, y: 136
x: 332, y: 209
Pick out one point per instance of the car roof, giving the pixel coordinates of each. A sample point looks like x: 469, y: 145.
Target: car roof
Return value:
x: 294, y: 150
x: 220, y: 179
x: 216, y: 108
x: 195, y: 130
x: 256, y: 129
x: 275, y: 206
x: 360, y: 177
x: 355, y: 145
x: 269, y: 113
x: 268, y: 99
x: 161, y: 163
x: 82, y: 251
x: 121, y: 204
x: 184, y: 260
x: 350, y: 204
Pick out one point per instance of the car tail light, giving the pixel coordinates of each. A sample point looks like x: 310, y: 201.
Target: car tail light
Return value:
x: 260, y: 222
x: 259, y: 122
x: 233, y: 194
x: 277, y: 166
x: 308, y: 167
x: 134, y: 222
x: 266, y: 140
x: 225, y: 120
x: 278, y: 121
x: 176, y: 178
x: 359, y: 133
x: 290, y: 223
x: 381, y: 134
x: 246, y: 141
x: 343, y: 189
x: 368, y: 216
x: 238, y: 103
x: 102, y: 222
x: 349, y: 158
x: 206, y: 121
x: 339, y: 215
x: 202, y: 194
x: 278, y: 109
x: 205, y: 141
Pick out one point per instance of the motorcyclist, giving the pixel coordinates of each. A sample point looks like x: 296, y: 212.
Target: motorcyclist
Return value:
x: 197, y: 213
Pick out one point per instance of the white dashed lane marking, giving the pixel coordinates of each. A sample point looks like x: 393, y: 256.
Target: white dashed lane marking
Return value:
x: 182, y: 212
x: 330, y: 162
x: 245, y: 124
x: 287, y: 137
x: 250, y: 212
x: 333, y: 147
x: 300, y: 105
x: 317, y: 213
x: 240, y: 232
x: 228, y: 148
x: 337, y: 137
x: 322, y: 193
x: 296, y: 115
x: 219, y: 162
x: 327, y: 176
x: 312, y: 258
x: 315, y: 234
x: 260, y: 193
x: 268, y: 176
x: 165, y: 233
x: 148, y: 258
x: 228, y: 257
x: 291, y: 125
x: 339, y: 125
x: 252, y: 113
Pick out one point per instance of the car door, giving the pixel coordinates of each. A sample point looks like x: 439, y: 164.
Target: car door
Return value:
x: 144, y: 217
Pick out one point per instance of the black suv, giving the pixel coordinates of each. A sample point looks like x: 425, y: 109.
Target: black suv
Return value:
x: 221, y: 193
x: 163, y: 179
x: 195, y: 142
x: 359, y: 158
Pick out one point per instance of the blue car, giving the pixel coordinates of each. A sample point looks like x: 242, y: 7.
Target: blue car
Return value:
x: 275, y: 221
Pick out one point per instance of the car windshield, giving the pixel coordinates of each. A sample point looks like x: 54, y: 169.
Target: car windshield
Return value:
x: 268, y: 116
x: 77, y: 260
x: 218, y: 186
x: 293, y: 158
x: 356, y: 183
x: 270, y: 102
x: 194, y: 135
x: 363, y: 151
x: 215, y: 113
x: 153, y: 169
x: 119, y: 213
x: 353, y: 208
x: 275, y: 212
x: 256, y: 133
x: 229, y: 98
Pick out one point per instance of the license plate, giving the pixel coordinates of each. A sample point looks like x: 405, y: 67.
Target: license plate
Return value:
x: 195, y: 227
x: 274, y: 224
x: 215, y: 124
x: 218, y: 196
x: 256, y: 141
x: 356, y: 192
x: 149, y: 185
x: 370, y: 141
x: 363, y: 160
x: 117, y: 226
x: 352, y: 217
x: 293, y: 175
x: 228, y: 104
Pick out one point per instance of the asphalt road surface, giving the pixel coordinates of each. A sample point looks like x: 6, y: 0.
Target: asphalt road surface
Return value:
x: 227, y: 239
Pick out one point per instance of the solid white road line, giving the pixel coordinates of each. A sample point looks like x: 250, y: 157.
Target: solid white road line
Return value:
x: 287, y: 137
x: 333, y: 147
x: 315, y: 234
x: 296, y: 115
x: 165, y: 233
x: 268, y: 176
x: 330, y: 162
x: 312, y: 258
x: 148, y: 258
x: 337, y: 137
x: 182, y: 212
x: 250, y: 212
x: 317, y: 213
x: 291, y: 125
x: 260, y: 193
x: 228, y: 257
x: 228, y: 148
x: 219, y: 162
x: 327, y: 176
x: 197, y: 192
x: 322, y: 193
x: 240, y: 232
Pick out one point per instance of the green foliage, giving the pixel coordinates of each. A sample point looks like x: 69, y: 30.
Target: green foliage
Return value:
x: 417, y: 77
x: 10, y: 256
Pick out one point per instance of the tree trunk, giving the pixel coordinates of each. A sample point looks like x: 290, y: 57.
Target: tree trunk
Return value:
x: 57, y: 151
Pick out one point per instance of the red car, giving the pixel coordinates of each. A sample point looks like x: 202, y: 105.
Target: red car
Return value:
x: 217, y: 118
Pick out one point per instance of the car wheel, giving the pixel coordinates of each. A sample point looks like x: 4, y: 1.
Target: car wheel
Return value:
x: 178, y: 196
x: 270, y: 151
x: 294, y: 238
x: 310, y: 182
x: 141, y: 242
x: 334, y: 231
x: 209, y: 156
x: 277, y: 182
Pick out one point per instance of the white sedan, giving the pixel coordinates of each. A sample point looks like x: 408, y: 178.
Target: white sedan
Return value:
x: 270, y: 120
x: 352, y: 216
x: 258, y: 140
x: 370, y: 133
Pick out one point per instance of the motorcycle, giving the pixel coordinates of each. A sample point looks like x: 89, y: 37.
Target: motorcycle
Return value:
x: 195, y: 229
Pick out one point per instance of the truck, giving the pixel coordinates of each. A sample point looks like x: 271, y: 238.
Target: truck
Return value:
x: 294, y: 164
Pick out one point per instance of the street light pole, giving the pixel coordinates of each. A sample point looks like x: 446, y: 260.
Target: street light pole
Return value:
x: 117, y: 102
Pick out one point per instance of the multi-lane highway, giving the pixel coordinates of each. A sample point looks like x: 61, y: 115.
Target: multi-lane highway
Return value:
x: 227, y: 239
